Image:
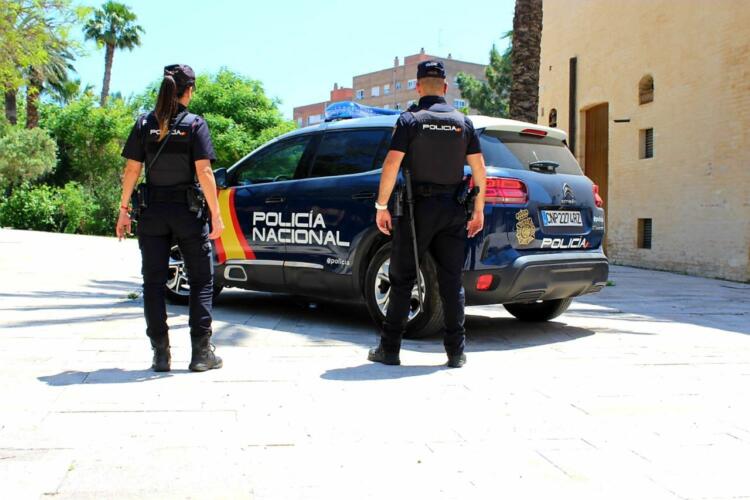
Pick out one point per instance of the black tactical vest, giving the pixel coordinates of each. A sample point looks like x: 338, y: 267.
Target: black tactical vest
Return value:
x: 175, y: 164
x: 437, y: 154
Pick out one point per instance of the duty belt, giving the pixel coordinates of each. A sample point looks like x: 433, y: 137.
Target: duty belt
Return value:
x: 169, y: 194
x: 426, y: 190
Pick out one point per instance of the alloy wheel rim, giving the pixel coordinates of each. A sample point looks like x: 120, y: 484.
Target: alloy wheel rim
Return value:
x: 383, y: 291
x: 178, y: 278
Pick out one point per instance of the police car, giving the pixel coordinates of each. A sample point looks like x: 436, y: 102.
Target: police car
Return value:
x: 300, y: 219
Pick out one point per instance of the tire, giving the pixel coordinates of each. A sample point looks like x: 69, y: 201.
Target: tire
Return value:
x: 377, y: 289
x: 177, y: 289
x: 539, y: 311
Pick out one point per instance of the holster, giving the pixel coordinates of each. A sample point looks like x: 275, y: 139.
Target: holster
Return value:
x: 465, y: 196
x: 397, y: 201
x: 196, y: 201
x: 139, y: 200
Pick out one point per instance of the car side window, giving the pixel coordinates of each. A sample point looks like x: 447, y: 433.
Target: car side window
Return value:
x: 347, y: 152
x: 275, y: 163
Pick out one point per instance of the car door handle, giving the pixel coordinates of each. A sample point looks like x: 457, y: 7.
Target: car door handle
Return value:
x: 275, y: 199
x: 365, y: 195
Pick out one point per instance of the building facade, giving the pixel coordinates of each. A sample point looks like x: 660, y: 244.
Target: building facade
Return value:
x: 395, y: 87
x: 311, y: 114
x: 655, y: 97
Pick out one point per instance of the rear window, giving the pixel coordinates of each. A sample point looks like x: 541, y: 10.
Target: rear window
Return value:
x: 513, y: 150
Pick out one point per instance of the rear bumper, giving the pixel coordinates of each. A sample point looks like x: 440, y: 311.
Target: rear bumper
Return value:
x: 540, y: 277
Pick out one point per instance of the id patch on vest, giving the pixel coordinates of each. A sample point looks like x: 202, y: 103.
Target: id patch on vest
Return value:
x: 441, y: 128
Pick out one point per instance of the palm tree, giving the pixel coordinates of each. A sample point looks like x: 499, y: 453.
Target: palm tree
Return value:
x: 112, y: 26
x: 54, y: 72
x: 527, y: 38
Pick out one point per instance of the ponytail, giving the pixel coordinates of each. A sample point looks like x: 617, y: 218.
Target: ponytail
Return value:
x: 166, y: 104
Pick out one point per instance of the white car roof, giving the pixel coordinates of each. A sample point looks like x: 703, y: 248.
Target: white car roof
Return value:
x: 479, y: 121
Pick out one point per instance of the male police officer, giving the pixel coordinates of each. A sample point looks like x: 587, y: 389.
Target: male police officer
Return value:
x: 176, y: 148
x: 434, y: 141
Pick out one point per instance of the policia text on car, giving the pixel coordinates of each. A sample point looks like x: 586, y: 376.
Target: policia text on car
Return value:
x: 176, y: 148
x: 433, y: 142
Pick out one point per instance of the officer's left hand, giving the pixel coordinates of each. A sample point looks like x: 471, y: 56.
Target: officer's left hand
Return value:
x: 123, y: 225
x: 383, y: 220
x: 476, y: 223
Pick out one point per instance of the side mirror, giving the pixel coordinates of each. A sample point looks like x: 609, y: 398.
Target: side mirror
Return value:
x: 220, y: 174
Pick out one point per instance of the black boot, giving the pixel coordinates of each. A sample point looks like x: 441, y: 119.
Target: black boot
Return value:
x: 456, y: 360
x: 203, y: 355
x: 162, y: 357
x: 379, y: 355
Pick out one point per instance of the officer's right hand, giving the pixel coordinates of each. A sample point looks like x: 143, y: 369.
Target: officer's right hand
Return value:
x: 476, y: 223
x: 383, y: 220
x: 123, y: 228
x: 217, y: 226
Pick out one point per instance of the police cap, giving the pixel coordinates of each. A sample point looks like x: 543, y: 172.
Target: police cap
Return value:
x: 431, y: 69
x: 183, y: 75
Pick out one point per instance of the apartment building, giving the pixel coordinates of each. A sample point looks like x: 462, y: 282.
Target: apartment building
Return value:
x: 396, y: 87
x: 311, y: 114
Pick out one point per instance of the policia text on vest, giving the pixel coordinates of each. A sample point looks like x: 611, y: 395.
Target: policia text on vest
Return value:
x: 176, y: 147
x: 433, y: 142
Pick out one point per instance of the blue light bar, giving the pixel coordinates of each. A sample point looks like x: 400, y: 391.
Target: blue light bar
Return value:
x: 347, y: 110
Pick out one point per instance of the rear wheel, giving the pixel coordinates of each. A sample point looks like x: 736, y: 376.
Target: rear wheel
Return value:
x: 544, y: 310
x: 421, y: 323
x: 177, y: 288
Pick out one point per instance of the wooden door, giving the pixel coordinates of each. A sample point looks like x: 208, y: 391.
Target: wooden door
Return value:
x: 596, y: 154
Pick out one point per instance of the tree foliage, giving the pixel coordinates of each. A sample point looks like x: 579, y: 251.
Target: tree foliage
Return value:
x: 490, y: 97
x: 25, y: 155
x: 239, y: 114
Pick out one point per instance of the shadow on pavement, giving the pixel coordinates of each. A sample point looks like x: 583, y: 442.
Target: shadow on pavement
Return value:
x: 377, y: 371
x: 105, y: 376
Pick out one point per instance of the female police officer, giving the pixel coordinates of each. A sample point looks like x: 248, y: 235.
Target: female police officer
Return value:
x: 176, y: 148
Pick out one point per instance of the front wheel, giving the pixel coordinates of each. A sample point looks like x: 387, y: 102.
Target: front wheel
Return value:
x: 543, y: 310
x: 177, y: 288
x: 421, y: 323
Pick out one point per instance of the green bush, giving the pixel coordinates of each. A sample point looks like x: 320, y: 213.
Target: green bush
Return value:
x: 70, y: 209
x: 25, y: 155
x: 31, y: 208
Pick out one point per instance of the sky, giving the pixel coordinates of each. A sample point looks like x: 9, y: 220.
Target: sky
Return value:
x: 297, y: 49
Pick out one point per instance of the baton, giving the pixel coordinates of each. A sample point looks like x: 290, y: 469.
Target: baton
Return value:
x: 410, y: 204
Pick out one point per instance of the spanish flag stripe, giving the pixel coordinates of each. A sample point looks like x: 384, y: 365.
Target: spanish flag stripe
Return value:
x: 245, y: 247
x: 229, y: 242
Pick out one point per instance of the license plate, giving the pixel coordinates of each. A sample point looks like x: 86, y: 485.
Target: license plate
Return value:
x: 561, y: 218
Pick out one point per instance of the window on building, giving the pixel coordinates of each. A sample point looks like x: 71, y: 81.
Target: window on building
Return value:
x: 386, y: 89
x: 360, y: 94
x: 646, y: 143
x: 411, y: 84
x: 398, y: 85
x: 349, y: 152
x: 375, y: 91
x: 299, y: 122
x: 644, y: 233
x: 459, y: 103
x: 553, y: 117
x: 386, y: 106
x: 313, y: 119
x: 646, y: 89
x: 398, y: 106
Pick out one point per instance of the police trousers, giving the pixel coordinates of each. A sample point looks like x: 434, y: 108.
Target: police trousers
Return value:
x: 159, y: 226
x: 441, y: 229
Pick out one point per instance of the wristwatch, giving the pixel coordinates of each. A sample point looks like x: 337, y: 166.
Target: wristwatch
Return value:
x: 378, y: 206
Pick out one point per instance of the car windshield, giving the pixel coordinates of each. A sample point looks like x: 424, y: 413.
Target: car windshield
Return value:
x: 513, y: 150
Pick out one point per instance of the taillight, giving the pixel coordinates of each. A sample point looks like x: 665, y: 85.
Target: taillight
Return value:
x: 484, y: 282
x: 597, y: 199
x: 533, y: 131
x: 504, y: 191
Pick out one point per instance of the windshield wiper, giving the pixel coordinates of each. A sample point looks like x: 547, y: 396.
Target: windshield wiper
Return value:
x: 544, y: 165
